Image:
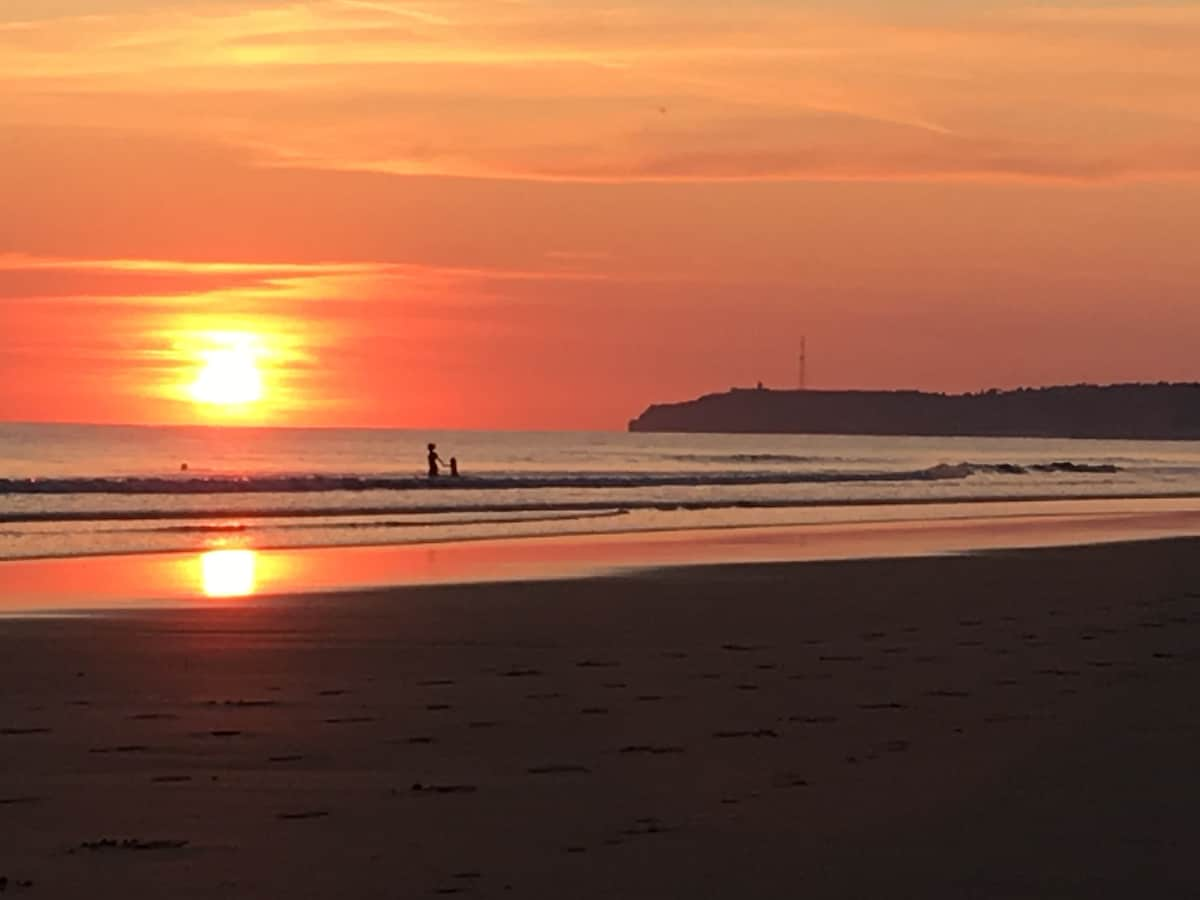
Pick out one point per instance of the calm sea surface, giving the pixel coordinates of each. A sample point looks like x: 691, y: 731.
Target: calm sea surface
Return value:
x: 72, y: 490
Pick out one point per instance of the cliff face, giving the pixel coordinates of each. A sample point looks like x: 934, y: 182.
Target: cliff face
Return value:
x: 1133, y: 411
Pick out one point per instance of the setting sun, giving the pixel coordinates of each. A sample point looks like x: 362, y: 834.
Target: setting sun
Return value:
x: 230, y: 375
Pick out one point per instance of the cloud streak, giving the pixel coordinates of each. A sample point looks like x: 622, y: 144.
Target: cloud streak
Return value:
x: 589, y: 91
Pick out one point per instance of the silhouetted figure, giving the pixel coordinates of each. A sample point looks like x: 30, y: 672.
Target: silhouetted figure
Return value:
x: 434, y: 460
x: 183, y: 467
x: 454, y: 467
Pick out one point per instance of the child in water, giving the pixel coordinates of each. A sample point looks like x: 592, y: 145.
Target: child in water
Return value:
x: 454, y: 467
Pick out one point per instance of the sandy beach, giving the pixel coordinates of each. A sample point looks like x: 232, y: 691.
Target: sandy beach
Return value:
x: 1005, y: 724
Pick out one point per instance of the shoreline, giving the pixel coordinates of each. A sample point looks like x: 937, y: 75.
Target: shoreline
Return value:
x: 1023, y: 508
x: 997, y: 724
x: 242, y: 575
x: 582, y: 507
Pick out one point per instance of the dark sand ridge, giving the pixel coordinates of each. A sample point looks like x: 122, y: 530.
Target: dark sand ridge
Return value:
x: 1009, y: 724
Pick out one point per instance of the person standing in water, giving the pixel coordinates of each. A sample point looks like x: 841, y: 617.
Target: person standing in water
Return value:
x: 434, y: 460
x: 454, y: 467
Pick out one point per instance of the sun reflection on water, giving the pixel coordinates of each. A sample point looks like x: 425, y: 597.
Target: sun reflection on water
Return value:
x: 228, y: 573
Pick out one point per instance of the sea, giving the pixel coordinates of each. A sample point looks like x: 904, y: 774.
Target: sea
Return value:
x: 93, y: 490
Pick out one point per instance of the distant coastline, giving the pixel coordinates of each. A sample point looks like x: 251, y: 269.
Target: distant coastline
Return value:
x: 1107, y: 412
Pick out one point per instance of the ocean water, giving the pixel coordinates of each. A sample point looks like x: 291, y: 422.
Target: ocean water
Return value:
x: 77, y: 490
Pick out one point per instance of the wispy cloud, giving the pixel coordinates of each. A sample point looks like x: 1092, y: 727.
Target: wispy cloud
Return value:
x: 593, y: 91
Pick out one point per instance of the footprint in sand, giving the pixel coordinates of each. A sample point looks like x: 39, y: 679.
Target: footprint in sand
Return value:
x: 136, y: 844
x: 651, y: 749
x: 646, y: 825
x: 244, y: 704
x: 559, y: 769
x: 813, y: 720
x: 420, y: 788
x: 521, y: 673
x: 747, y: 733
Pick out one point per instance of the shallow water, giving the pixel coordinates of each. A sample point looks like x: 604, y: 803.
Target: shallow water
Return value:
x: 71, y: 490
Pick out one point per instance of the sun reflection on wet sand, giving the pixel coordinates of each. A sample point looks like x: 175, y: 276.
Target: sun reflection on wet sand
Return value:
x: 228, y: 573
x: 250, y: 576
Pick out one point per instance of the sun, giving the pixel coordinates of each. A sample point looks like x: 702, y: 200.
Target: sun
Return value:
x: 229, y: 373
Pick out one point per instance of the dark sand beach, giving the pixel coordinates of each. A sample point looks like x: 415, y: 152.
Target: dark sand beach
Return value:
x: 1007, y: 724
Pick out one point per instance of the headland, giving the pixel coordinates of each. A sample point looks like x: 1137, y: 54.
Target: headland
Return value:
x: 1111, y: 412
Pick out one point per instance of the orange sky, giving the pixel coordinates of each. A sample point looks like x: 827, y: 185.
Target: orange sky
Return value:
x: 549, y: 213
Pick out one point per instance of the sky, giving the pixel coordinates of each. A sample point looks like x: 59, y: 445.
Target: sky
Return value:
x: 551, y: 213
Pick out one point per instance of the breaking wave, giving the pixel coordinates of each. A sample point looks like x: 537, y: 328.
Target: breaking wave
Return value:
x: 322, y: 483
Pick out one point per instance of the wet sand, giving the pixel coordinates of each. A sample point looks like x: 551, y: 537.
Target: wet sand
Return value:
x: 1009, y: 724
x: 241, y: 575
